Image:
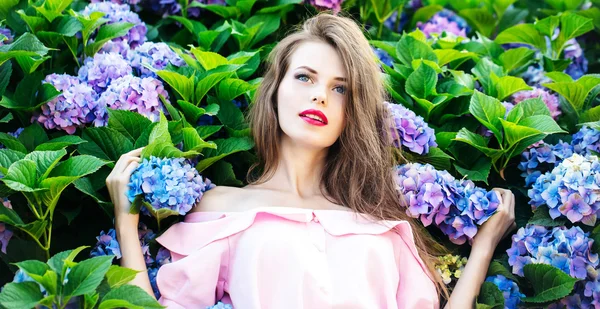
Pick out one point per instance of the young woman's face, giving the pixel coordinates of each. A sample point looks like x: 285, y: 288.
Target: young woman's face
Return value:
x: 312, y: 96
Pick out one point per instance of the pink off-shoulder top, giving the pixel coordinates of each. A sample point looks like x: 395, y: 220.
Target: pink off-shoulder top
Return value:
x: 292, y: 258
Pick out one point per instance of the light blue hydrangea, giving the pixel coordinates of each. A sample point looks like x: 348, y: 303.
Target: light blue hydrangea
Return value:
x: 107, y: 244
x: 168, y: 183
x: 220, y: 305
x: 155, y: 55
x: 509, y: 289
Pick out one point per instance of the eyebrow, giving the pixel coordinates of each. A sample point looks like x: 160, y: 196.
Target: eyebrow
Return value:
x: 342, y: 79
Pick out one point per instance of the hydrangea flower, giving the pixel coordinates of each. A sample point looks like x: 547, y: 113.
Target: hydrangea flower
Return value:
x: 168, y: 183
x: 156, y: 55
x: 334, y: 5
x: 7, y: 36
x: 135, y: 4
x: 409, y: 130
x: 579, y: 64
x: 383, y: 56
x: 450, y: 267
x: 121, y: 13
x: 102, y: 69
x: 567, y: 249
x: 509, y: 289
x: 5, y: 234
x: 444, y: 21
x: 76, y: 106
x: 394, y: 24
x: 140, y: 95
x: 172, y: 7
x: 118, y: 47
x: 455, y: 206
x: 551, y: 100
x: 586, y: 141
x: 570, y: 190
x: 107, y: 244
x: 220, y: 305
x: 14, y: 134
x: 542, y: 158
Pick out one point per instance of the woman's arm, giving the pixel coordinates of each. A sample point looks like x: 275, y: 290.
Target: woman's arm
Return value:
x: 470, y: 281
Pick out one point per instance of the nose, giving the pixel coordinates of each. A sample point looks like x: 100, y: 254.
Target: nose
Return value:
x: 319, y: 98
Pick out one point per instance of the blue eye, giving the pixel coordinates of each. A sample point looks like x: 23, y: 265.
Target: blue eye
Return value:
x: 302, y: 77
x: 342, y: 89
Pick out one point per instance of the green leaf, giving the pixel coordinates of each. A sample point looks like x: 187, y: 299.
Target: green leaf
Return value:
x: 438, y: 158
x: 206, y: 131
x: 191, y: 112
x: 424, y: 14
x: 78, y: 166
x: 231, y: 88
x: 51, y: 9
x: 8, y: 157
x: 32, y: 136
x: 488, y: 111
x: 409, y: 49
x: 210, y: 78
x: 20, y: 295
x: 208, y: 60
x: 522, y: 33
x: 91, y: 300
x: 477, y: 141
x: 26, y: 45
x: 225, y: 147
x: 559, y: 77
x: 117, y: 276
x: 10, y: 216
x: 571, y: 91
x: 57, y: 262
x: 497, y: 268
x: 106, y: 33
x: 45, y: 161
x: 549, y: 283
x: 571, y: 26
x: 224, y: 175
x: 250, y: 60
x: 481, y: 19
x: 183, y: 85
x: 446, y: 56
x: 105, y: 143
x: 487, y: 73
x: 12, y: 142
x: 160, y: 132
x: 548, y: 25
x: 491, y: 295
x: 128, y: 296
x: 21, y: 176
x: 231, y: 116
x: 54, y: 186
x: 68, y: 26
x: 85, y: 277
x: 421, y: 83
x: 541, y: 216
x: 60, y: 143
x: 5, y: 73
x: 383, y: 9
x: 129, y: 123
x: 516, y: 58
x: 527, y: 108
x: 479, y: 171
x: 165, y: 150
x: 507, y: 85
x: 193, y: 141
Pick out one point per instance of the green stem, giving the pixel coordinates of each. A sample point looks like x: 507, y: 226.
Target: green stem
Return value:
x: 379, y: 31
x: 158, y: 223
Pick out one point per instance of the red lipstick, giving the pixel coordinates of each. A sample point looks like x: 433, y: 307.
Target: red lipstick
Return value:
x: 314, y: 117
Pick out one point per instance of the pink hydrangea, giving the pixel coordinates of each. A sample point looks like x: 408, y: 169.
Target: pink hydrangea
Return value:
x: 551, y: 100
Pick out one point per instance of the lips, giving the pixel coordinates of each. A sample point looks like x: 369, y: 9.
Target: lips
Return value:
x: 315, y: 115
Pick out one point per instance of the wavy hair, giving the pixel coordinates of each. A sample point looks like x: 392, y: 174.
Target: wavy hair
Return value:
x: 358, y: 168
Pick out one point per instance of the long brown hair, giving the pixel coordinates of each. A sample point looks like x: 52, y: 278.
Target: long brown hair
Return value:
x: 358, y: 167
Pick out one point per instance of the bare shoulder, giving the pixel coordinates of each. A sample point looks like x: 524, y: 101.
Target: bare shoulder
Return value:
x: 219, y: 198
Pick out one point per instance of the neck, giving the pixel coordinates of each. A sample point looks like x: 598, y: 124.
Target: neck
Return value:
x: 299, y: 169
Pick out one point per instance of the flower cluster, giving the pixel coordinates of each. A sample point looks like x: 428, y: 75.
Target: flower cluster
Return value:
x: 107, y: 244
x: 334, y: 5
x: 551, y: 100
x: 102, y: 69
x: 168, y: 183
x: 409, y: 130
x: 136, y: 94
x: 542, y: 158
x: 586, y: 141
x: 570, y: 189
x: 7, y: 39
x: 173, y: 7
x: 569, y: 250
x: 383, y: 56
x: 121, y: 13
x: 509, y: 289
x: 5, y: 235
x: 155, y: 55
x: 579, y: 64
x: 135, y: 4
x: 445, y: 21
x: 450, y: 267
x: 455, y: 206
x: 76, y: 106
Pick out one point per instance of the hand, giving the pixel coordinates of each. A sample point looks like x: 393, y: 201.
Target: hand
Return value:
x: 117, y: 184
x: 499, y: 224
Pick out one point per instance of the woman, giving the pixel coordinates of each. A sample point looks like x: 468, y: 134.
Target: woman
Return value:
x: 322, y: 225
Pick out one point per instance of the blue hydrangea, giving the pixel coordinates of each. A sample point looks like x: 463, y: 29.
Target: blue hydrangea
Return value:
x: 107, y: 244
x: 409, y: 130
x: 8, y: 38
x: 383, y: 56
x: 586, y: 141
x: 121, y: 13
x: 543, y: 158
x: 140, y: 95
x: 509, y: 289
x: 436, y: 197
x: 579, y: 64
x: 102, y: 69
x: 155, y: 55
x: 567, y: 249
x: 168, y: 183
x: 394, y: 24
x: 220, y: 305
x: 76, y: 106
x: 152, y: 272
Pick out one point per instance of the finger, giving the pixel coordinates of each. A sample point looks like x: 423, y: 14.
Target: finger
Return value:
x: 124, y: 163
x: 136, y: 152
x: 130, y: 168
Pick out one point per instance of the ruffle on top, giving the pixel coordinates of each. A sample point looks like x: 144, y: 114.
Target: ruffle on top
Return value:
x: 240, y: 258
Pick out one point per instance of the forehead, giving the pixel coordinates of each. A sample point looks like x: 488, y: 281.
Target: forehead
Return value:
x: 319, y: 56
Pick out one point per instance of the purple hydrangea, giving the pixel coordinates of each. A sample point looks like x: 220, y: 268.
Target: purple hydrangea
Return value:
x: 569, y: 250
x: 570, y: 190
x: 118, y: 47
x: 135, y: 4
x: 579, y: 64
x: 436, y: 197
x: 586, y: 141
x: 334, y: 5
x: 8, y: 38
x: 551, y: 100
x: 171, y: 183
x: 542, y: 158
x: 121, y: 13
x: 5, y: 234
x: 155, y: 55
x: 444, y: 21
x: 509, y: 289
x: 102, y: 69
x: 107, y: 244
x: 140, y: 95
x: 172, y: 7
x: 409, y: 130
x: 76, y: 106
x: 220, y: 305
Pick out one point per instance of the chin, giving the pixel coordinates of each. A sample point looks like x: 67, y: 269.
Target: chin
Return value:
x: 309, y: 139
